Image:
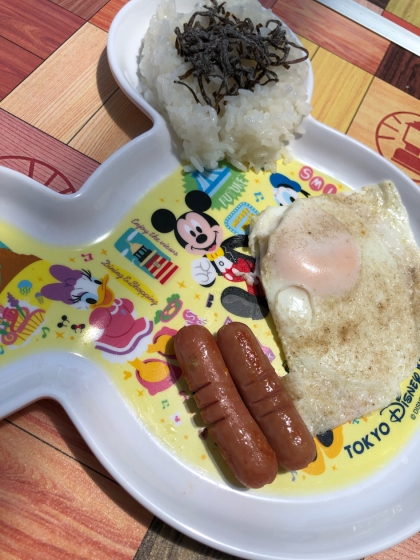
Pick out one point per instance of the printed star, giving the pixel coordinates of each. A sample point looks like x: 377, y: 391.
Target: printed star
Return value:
x: 162, y: 199
x: 340, y: 187
x: 140, y: 393
x: 40, y: 279
x: 257, y: 180
x: 182, y: 284
x: 197, y: 296
x: 103, y: 252
x: 72, y: 338
x: 292, y: 173
x: 334, y: 468
x: 59, y: 334
x: 267, y: 333
x: 71, y: 259
x: 177, y: 200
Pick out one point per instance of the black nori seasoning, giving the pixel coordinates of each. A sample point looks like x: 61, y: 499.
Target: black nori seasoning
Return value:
x: 231, y: 50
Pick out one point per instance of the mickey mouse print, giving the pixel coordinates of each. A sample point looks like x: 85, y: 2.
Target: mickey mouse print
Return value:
x: 198, y: 233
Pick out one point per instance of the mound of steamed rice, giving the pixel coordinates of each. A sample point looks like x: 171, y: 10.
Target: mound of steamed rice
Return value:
x: 252, y: 129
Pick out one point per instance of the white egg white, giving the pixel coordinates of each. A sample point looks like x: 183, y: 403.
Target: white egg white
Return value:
x: 341, y: 275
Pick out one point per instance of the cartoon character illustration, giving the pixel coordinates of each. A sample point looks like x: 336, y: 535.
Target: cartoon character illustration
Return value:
x: 285, y: 191
x: 163, y: 343
x: 20, y: 319
x: 114, y: 327
x: 157, y: 375
x: 118, y: 332
x: 78, y: 288
x: 331, y: 444
x: 200, y: 234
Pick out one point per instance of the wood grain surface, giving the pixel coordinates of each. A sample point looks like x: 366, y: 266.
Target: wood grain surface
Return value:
x: 63, y: 94
x: 401, y: 69
x: 105, y: 16
x: 165, y: 543
x: 39, y: 26
x: 117, y: 122
x: 15, y: 65
x: 332, y: 75
x: 357, y: 45
x: 93, y: 517
x: 381, y: 3
x: 407, y: 550
x: 382, y: 118
x: 370, y: 6
x: 21, y: 143
x: 407, y: 10
x: 48, y: 422
x: 81, y: 8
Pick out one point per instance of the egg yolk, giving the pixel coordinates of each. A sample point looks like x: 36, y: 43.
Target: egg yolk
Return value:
x: 314, y: 250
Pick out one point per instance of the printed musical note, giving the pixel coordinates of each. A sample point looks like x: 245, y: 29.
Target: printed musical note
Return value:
x: 87, y: 257
x: 258, y: 196
x: 127, y: 375
x: 165, y: 403
x: 45, y: 331
x: 1, y: 350
x: 210, y: 300
x: 293, y: 473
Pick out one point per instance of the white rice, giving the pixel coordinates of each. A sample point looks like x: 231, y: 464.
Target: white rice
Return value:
x: 252, y: 129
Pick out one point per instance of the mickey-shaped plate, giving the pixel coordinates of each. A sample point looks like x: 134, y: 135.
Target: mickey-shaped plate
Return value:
x: 92, y: 269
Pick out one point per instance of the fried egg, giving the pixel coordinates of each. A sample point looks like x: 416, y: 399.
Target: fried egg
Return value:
x: 341, y: 275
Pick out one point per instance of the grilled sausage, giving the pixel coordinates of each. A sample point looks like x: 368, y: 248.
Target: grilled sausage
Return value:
x: 238, y: 436
x: 266, y: 397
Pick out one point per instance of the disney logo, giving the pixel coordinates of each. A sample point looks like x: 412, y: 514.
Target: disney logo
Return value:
x: 398, y: 407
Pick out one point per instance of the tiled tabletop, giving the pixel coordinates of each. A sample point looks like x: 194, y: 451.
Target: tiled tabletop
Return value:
x: 61, y: 116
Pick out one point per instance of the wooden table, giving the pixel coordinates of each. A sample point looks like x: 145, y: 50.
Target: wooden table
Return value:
x: 61, y: 116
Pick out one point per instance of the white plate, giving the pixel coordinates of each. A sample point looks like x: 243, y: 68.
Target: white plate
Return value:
x: 345, y: 524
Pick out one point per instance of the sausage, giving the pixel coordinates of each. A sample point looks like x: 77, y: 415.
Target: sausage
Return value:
x: 238, y: 436
x: 266, y: 397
